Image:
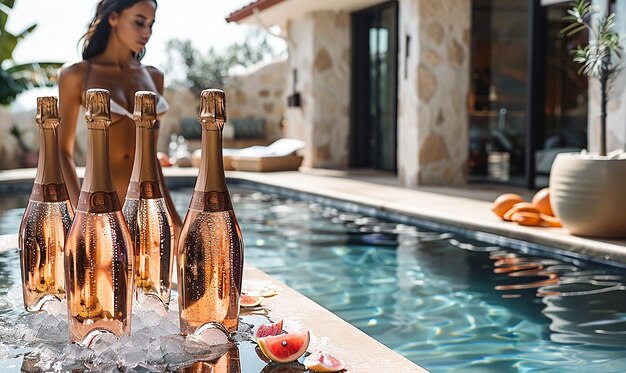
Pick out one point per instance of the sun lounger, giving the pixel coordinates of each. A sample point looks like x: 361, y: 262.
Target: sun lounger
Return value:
x: 278, y: 156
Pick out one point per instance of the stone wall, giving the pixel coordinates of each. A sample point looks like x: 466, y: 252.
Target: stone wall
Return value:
x: 432, y: 98
x: 254, y: 92
x: 319, y: 50
x: 259, y: 92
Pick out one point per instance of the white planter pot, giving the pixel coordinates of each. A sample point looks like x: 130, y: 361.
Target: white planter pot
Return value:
x: 588, y: 194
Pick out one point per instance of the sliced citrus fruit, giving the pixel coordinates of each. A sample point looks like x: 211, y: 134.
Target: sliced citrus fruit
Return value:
x: 270, y: 329
x: 520, y: 207
x: 504, y: 202
x: 323, y: 362
x: 541, y: 200
x: 284, y: 348
x: 264, y: 292
x: 550, y: 221
x: 526, y: 218
x: 249, y: 301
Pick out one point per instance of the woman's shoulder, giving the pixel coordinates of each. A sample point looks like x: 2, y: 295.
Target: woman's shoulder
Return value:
x: 72, y: 68
x: 73, y: 72
x: 156, y: 74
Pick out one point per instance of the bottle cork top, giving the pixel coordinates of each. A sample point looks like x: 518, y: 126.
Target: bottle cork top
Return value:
x: 213, y: 107
x: 98, y: 107
x: 145, y: 107
x: 47, y: 115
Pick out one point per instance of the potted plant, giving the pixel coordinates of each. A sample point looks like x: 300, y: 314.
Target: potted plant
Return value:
x: 587, y: 189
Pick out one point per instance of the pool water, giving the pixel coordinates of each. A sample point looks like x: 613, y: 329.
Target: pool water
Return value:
x: 445, y: 301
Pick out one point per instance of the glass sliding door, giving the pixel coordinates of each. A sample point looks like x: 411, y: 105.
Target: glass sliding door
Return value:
x: 374, y: 87
x: 566, y: 101
x: 498, y: 91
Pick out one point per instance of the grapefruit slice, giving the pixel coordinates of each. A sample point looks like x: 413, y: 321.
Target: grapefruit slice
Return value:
x: 284, y: 348
x: 270, y: 329
x: 264, y: 292
x: 249, y: 301
x: 323, y: 362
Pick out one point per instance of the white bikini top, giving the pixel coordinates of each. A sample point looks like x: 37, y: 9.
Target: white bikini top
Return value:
x: 116, y: 108
x: 162, y: 107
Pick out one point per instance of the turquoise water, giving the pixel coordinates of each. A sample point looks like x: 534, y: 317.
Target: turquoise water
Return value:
x: 446, y: 302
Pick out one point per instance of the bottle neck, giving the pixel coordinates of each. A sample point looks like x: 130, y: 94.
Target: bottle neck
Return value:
x: 144, y: 182
x: 49, y: 185
x: 49, y: 164
x: 97, y: 171
x: 211, y: 175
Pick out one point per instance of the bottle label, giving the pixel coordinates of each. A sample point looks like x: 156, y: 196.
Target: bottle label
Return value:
x: 145, y: 190
x: 98, y: 202
x: 49, y: 192
x: 212, y: 201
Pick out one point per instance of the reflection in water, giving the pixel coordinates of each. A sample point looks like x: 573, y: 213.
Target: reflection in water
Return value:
x: 524, y: 267
x: 227, y: 363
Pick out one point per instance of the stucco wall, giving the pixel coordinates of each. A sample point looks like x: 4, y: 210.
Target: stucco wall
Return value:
x: 432, y: 98
x: 319, y: 50
x: 616, y: 107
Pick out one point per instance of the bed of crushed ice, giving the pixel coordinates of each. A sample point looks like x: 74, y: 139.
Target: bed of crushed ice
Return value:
x: 39, y: 341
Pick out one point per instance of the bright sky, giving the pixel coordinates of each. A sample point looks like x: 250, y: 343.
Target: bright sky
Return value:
x: 62, y: 22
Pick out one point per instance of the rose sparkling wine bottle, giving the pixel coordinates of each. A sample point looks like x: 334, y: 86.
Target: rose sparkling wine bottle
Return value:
x: 47, y: 218
x: 210, y: 249
x: 98, y: 251
x: 145, y: 211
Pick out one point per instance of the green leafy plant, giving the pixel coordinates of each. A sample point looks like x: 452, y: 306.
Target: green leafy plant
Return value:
x: 17, y: 78
x: 595, y: 58
x: 211, y: 70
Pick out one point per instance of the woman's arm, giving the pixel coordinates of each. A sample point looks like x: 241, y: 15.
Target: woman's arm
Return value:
x: 70, y: 87
x: 157, y: 76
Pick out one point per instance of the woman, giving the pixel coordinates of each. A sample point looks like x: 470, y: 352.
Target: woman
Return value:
x: 112, y: 50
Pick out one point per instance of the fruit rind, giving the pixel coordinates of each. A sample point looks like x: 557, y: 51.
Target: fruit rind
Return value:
x: 248, y: 301
x: 323, y: 362
x: 265, y: 348
x: 266, y: 330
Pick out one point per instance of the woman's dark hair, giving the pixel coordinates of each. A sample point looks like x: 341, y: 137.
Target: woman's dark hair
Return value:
x: 97, y: 35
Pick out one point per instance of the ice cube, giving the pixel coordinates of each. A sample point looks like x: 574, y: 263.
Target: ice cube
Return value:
x: 211, y: 334
x: 151, y: 318
x: 146, y: 303
x: 130, y: 357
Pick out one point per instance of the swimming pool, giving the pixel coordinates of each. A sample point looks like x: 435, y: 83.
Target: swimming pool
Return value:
x: 445, y: 301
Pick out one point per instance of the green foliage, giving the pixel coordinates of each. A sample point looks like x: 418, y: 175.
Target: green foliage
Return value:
x: 14, y: 79
x: 595, y: 57
x: 211, y: 70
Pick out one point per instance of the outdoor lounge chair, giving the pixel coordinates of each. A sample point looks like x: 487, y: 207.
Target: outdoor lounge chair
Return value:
x: 278, y: 156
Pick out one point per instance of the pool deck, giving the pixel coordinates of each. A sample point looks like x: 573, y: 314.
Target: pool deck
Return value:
x: 467, y: 207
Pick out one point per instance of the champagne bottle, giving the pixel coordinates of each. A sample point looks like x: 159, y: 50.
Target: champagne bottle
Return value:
x: 210, y: 249
x: 47, y: 218
x: 98, y: 252
x: 145, y: 210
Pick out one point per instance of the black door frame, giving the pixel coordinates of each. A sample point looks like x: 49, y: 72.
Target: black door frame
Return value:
x: 535, y: 98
